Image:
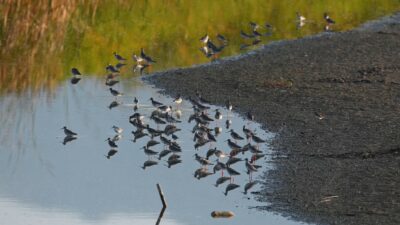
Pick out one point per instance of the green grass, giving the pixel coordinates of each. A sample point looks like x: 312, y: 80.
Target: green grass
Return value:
x: 168, y: 30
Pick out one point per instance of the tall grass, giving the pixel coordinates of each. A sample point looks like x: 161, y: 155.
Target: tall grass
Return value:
x: 42, y: 39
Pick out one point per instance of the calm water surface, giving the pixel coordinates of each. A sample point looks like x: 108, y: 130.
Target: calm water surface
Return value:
x: 48, y: 182
x: 43, y: 181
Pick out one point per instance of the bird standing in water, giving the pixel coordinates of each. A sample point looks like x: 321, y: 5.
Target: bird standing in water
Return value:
x: 119, y: 57
x: 328, y: 19
x: 68, y: 132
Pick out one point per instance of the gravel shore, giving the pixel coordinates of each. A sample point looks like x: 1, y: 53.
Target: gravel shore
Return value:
x: 334, y: 101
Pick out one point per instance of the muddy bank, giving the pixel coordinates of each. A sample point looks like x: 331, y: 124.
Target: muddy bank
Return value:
x: 334, y: 100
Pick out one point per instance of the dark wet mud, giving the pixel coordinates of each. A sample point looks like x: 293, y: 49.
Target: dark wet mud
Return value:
x: 334, y: 101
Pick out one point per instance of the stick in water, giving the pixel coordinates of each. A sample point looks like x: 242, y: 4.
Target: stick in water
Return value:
x: 161, y: 196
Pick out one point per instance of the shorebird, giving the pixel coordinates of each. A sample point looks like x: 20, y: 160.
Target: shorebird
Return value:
x: 153, y: 132
x: 220, y: 154
x: 149, y: 163
x: 256, y: 157
x: 148, y: 151
x: 171, y: 119
x: 250, y: 116
x: 248, y: 186
x: 202, y: 161
x: 163, y: 153
x: 230, y: 187
x: 110, y: 82
x: 119, y: 65
x: 220, y: 166
x: 222, y: 39
x: 232, y: 172
x: 152, y: 143
x: 172, y: 162
x: 211, y: 137
x: 75, y: 79
x: 170, y: 129
x: 210, y: 152
x: 218, y: 115
x: 229, y: 105
x: 118, y: 57
x: 257, y: 35
x: 111, y: 143
x: 165, y: 108
x: 111, y: 69
x: 68, y: 139
x: 75, y: 72
x: 245, y: 35
x: 235, y: 135
x: 117, y: 130
x: 157, y: 120
x: 140, y: 68
x: 228, y: 123
x: 213, y: 48
x: 165, y: 140
x: 68, y: 132
x: 116, y: 137
x: 174, y: 147
x: 148, y: 59
x: 233, y: 145
x: 197, y: 171
x: 174, y: 156
x: 135, y: 101
x: 254, y: 26
x: 111, y: 153
x: 257, y: 140
x: 300, y: 18
x: 139, y: 134
x: 206, y: 51
x: 250, y: 168
x: 232, y: 160
x: 328, y: 20
x: 247, y: 132
x: 251, y: 148
x: 115, y: 93
x: 138, y: 59
x: 217, y: 130
x: 205, y: 38
x: 178, y: 100
x: 205, y: 117
x: 221, y: 180
x: 114, y: 104
x: 155, y: 103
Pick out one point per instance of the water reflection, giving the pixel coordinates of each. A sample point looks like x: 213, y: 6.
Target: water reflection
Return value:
x: 86, y: 34
x: 79, y: 185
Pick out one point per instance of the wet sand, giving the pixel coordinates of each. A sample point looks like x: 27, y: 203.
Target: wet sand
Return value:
x: 334, y: 102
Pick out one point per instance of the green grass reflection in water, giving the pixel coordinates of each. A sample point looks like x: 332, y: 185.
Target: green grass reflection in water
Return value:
x: 41, y: 41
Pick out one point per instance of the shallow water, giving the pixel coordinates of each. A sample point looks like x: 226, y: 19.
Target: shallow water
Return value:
x: 49, y: 182
x: 43, y: 181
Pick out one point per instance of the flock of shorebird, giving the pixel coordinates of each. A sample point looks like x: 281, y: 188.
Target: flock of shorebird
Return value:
x: 209, y: 48
x: 203, y: 136
x: 166, y: 120
x: 168, y: 117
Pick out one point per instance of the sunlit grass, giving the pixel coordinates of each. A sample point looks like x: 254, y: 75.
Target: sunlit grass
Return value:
x: 41, y: 40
